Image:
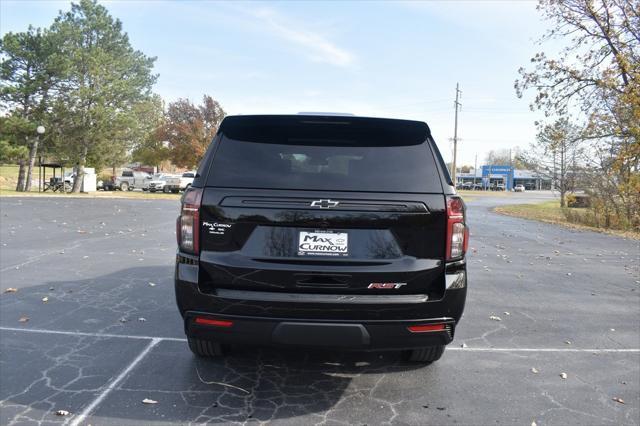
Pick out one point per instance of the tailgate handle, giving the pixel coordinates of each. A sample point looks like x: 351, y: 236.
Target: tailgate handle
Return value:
x: 324, y: 280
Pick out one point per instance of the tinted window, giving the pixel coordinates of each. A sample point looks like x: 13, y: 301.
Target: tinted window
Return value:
x: 127, y: 173
x: 342, y: 154
x: 188, y: 175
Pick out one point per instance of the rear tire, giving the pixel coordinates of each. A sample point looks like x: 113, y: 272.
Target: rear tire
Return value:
x: 207, y: 348
x: 124, y: 186
x: 166, y: 190
x: 425, y: 355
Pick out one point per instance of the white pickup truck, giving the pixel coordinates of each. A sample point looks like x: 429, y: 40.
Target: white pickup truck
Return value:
x: 127, y: 181
x: 179, y: 183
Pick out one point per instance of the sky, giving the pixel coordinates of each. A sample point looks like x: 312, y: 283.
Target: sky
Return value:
x: 399, y: 59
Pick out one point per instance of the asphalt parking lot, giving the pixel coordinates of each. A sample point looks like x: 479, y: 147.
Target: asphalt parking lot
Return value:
x: 109, y: 334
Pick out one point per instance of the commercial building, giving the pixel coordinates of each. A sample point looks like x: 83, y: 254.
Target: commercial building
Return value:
x: 507, y: 177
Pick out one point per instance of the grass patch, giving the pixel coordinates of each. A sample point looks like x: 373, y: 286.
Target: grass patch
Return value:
x: 9, y: 176
x: 550, y: 212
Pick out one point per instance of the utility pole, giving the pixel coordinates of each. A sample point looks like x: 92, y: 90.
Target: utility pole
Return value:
x: 475, y: 169
x: 455, y: 136
x: 510, y: 175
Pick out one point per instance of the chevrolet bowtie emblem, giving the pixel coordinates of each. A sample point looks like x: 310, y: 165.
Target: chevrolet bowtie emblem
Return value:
x: 324, y: 204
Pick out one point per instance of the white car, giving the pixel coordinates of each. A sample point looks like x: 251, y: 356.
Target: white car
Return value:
x: 519, y: 188
x: 175, y: 184
x: 156, y: 182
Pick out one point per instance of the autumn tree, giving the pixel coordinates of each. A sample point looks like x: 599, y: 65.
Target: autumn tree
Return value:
x: 561, y: 154
x: 505, y: 157
x: 189, y: 129
x: 105, y: 82
x: 595, y: 78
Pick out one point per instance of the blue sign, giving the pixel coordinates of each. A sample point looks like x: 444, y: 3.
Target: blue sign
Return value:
x: 504, y: 172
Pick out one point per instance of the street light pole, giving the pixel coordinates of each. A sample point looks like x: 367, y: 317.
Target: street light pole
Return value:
x: 32, y: 157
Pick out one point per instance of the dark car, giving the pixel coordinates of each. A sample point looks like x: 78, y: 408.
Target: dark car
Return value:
x: 322, y: 231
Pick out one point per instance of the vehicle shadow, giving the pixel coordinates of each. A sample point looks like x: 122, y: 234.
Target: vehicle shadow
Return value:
x: 253, y: 383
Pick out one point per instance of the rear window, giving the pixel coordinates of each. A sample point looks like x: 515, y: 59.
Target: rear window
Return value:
x: 329, y: 153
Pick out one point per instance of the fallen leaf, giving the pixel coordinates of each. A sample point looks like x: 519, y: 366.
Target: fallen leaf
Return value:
x: 534, y: 370
x: 45, y: 299
x: 567, y: 342
x: 123, y: 319
x: 563, y: 375
x: 11, y: 290
x: 534, y: 424
x: 62, y: 413
x: 506, y: 313
x: 495, y: 318
x: 620, y: 400
x: 464, y: 345
x: 152, y: 284
x: 613, y: 329
x: 142, y: 319
x: 23, y: 319
x: 149, y: 401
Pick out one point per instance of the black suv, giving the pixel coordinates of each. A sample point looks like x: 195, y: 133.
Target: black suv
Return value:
x: 332, y: 231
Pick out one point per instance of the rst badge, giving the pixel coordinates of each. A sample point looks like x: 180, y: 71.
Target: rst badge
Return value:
x: 386, y: 286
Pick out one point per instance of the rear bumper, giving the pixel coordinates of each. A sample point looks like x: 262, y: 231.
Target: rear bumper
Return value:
x: 368, y: 335
x: 270, y: 318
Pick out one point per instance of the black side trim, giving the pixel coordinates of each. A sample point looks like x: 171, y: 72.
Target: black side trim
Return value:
x: 343, y: 204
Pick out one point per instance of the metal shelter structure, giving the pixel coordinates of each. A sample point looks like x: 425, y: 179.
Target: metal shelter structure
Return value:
x: 55, y: 183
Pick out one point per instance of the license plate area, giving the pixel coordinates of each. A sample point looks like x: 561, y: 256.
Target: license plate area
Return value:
x: 323, y: 243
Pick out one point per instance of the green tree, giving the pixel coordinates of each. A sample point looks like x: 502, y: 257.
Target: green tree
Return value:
x: 12, y: 149
x: 150, y: 148
x: 104, y: 84
x: 29, y: 72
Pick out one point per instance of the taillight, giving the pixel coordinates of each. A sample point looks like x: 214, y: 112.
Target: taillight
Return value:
x: 425, y: 328
x: 457, y: 232
x: 188, y: 225
x: 213, y: 322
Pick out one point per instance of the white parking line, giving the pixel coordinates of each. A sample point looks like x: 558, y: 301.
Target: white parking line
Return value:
x: 100, y: 335
x: 113, y: 384
x: 449, y: 348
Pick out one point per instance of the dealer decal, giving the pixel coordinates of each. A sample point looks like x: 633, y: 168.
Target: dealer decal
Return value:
x: 216, y: 228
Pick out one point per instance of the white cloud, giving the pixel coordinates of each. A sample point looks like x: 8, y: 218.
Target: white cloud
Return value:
x: 316, y: 47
